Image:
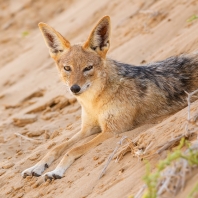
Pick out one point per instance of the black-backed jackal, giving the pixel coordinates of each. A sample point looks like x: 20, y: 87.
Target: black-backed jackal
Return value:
x: 115, y: 97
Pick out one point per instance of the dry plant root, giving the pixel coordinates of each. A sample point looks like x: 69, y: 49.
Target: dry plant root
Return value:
x: 128, y: 147
x: 137, y: 147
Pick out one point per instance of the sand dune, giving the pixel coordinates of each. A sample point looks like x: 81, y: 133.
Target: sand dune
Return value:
x: 37, y: 112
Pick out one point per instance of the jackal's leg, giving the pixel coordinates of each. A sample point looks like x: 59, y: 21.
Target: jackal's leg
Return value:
x: 75, y: 153
x: 53, y: 154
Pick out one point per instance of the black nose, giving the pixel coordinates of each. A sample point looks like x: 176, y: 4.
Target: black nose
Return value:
x: 75, y: 88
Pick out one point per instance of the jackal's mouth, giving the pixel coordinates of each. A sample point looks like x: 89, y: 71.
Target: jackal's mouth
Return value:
x: 77, y: 94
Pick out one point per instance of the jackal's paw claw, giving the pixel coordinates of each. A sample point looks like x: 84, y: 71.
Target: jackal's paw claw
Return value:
x: 55, y: 174
x: 36, y: 171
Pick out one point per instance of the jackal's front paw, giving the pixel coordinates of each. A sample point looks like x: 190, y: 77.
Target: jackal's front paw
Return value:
x: 55, y: 174
x: 35, y: 170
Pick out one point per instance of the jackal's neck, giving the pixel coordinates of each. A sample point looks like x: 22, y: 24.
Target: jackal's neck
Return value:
x: 111, y: 71
x: 112, y: 79
x: 115, y: 71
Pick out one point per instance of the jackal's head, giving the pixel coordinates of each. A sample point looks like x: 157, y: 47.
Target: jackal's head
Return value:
x: 81, y: 66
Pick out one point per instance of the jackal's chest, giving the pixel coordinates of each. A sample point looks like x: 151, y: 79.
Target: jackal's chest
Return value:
x: 110, y: 113
x: 115, y: 116
x: 89, y: 109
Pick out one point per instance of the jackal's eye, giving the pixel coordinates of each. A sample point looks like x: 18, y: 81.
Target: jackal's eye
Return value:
x: 88, y: 68
x: 67, y: 68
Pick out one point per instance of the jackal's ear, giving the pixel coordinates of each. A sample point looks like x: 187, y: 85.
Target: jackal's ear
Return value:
x: 99, y: 37
x: 54, y: 40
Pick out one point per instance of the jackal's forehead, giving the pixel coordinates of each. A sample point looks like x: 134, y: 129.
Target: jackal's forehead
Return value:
x: 78, y: 56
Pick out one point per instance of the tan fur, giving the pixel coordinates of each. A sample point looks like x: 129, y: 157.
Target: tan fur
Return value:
x: 111, y: 102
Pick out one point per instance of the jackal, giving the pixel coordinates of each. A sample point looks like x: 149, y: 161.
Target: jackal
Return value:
x: 115, y: 97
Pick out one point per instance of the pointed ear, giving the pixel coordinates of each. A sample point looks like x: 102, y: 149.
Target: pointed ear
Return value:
x: 99, y: 37
x: 54, y: 40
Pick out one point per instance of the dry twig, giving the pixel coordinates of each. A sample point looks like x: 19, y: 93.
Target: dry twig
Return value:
x: 26, y: 138
x: 111, y: 156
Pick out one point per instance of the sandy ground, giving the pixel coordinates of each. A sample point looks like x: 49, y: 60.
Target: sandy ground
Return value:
x: 34, y: 102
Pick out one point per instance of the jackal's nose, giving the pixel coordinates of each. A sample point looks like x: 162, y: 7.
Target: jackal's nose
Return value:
x: 75, y: 88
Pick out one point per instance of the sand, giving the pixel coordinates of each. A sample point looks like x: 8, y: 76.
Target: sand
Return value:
x: 37, y: 112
